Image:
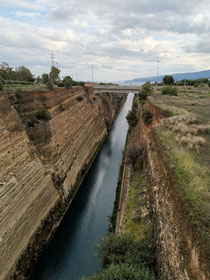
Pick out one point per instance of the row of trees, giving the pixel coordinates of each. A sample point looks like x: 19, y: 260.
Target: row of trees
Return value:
x: 169, y: 80
x: 20, y: 73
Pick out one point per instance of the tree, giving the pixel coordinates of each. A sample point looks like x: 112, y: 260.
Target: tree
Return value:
x: 45, y: 78
x: 168, y: 80
x: 7, y: 72
x: 24, y: 74
x: 38, y: 79
x: 54, y: 74
x: 145, y: 91
x: 50, y: 85
x: 68, y: 82
x: 132, y: 118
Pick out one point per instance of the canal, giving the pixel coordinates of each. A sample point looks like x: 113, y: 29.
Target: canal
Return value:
x: 71, y: 253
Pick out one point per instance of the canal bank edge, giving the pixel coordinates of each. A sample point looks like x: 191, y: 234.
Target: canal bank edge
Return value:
x: 181, y: 252
x: 41, y: 146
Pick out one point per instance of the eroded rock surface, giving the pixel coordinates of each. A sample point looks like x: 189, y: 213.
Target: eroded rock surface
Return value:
x: 42, y: 161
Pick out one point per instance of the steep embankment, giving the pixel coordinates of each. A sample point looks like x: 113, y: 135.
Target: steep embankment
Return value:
x: 48, y: 141
x: 176, y: 180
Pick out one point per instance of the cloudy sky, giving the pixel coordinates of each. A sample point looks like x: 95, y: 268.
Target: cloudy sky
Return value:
x: 122, y: 39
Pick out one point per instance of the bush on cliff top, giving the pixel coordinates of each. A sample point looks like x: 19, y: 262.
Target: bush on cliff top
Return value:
x: 169, y: 90
x: 50, y: 85
x: 43, y: 114
x: 145, y: 91
x: 147, y: 116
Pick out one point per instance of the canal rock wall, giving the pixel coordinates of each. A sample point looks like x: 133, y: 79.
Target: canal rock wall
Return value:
x: 178, y: 256
x: 48, y: 141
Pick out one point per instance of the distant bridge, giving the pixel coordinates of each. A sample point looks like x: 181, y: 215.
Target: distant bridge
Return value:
x: 127, y: 89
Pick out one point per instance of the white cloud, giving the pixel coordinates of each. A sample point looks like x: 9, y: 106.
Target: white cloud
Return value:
x: 26, y: 14
x: 35, y: 5
x: 122, y: 39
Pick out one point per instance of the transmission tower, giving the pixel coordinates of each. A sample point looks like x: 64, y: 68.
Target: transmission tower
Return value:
x: 53, y: 59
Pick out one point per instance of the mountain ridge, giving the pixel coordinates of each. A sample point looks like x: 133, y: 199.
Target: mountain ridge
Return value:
x: 177, y: 77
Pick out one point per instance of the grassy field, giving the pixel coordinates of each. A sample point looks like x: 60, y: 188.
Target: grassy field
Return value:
x: 19, y: 87
x: 186, y: 140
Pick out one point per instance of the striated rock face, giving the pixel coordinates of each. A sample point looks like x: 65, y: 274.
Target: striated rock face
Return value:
x: 42, y: 163
x: 177, y: 256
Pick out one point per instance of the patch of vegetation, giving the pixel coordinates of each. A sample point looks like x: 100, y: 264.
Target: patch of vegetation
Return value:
x: 193, y: 176
x: 126, y: 258
x: 79, y: 98
x: 50, y: 85
x: 168, y: 80
x: 147, y: 116
x: 43, y: 114
x: 113, y: 218
x: 68, y: 83
x: 123, y: 271
x: 132, y: 116
x: 145, y: 91
x: 133, y: 153
x: 169, y: 90
x: 137, y: 220
x: 187, y: 130
x: 1, y: 85
x: 18, y: 93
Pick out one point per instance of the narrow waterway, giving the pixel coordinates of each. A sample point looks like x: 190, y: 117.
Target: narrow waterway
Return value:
x: 70, y: 254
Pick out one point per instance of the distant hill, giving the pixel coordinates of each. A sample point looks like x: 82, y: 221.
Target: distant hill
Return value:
x: 177, y: 77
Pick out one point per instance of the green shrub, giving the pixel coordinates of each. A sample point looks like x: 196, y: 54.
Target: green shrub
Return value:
x: 147, y: 116
x: 50, y: 85
x: 79, y: 98
x: 169, y: 90
x: 132, y: 118
x: 120, y: 249
x: 123, y: 271
x: 18, y: 93
x: 43, y: 114
x: 60, y: 84
x: 143, y: 94
x: 68, y: 83
x: 1, y: 85
x: 168, y: 80
x: 125, y: 258
x: 145, y: 91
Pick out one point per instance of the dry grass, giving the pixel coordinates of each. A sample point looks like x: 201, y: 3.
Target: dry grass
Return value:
x: 194, y: 175
x: 187, y: 130
x: 191, y: 141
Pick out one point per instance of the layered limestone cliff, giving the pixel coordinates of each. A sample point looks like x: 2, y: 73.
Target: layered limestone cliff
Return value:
x: 48, y: 141
x: 182, y: 244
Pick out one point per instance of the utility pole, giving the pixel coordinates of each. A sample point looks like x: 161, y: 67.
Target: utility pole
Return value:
x: 92, y: 74
x: 158, y: 69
